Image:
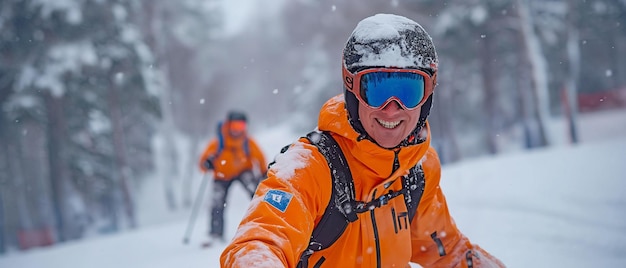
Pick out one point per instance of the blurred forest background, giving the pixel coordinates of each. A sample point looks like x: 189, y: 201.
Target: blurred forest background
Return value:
x: 98, y: 96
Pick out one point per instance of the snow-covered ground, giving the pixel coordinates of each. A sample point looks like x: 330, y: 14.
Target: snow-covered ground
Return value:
x: 558, y: 207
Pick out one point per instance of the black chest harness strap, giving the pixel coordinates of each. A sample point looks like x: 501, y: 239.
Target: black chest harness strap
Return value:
x: 342, y: 208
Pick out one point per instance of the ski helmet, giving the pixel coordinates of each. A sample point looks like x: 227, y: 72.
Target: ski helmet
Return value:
x: 236, y: 116
x: 386, y: 40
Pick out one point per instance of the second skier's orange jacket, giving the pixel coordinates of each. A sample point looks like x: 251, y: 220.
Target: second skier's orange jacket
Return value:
x: 233, y: 156
x: 291, y: 201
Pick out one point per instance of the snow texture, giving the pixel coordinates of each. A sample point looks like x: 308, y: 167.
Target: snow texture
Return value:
x: 381, y: 40
x: 294, y: 158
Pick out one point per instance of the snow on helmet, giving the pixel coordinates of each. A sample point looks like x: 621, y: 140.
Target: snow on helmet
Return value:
x: 386, y: 40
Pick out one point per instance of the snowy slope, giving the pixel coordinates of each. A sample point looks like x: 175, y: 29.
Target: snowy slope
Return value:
x: 557, y: 207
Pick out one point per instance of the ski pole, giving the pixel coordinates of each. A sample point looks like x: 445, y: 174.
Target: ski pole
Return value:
x: 194, y: 209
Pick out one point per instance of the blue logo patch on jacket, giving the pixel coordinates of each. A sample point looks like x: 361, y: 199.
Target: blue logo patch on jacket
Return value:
x: 278, y: 199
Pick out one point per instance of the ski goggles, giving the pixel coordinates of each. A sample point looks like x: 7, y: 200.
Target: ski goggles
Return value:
x: 237, y: 125
x: 377, y: 87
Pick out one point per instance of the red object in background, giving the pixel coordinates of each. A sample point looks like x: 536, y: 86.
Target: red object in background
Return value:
x: 35, y: 238
x: 601, y: 100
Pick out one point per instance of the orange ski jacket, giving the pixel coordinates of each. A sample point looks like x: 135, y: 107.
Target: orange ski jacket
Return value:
x: 291, y: 201
x: 233, y: 155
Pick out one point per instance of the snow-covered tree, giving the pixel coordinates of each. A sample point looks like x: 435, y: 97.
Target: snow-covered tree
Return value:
x: 76, y: 83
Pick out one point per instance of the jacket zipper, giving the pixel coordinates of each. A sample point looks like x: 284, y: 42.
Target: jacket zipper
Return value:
x: 376, y: 238
x: 396, y: 165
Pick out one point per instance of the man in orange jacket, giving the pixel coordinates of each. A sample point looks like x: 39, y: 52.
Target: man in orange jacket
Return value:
x: 379, y: 124
x: 232, y: 156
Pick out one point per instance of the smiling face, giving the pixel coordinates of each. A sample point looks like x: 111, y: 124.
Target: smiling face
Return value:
x: 390, y: 125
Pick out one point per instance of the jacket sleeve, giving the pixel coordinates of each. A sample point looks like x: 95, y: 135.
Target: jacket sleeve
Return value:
x: 436, y: 240
x: 280, y: 219
x: 258, y: 156
x: 209, y: 151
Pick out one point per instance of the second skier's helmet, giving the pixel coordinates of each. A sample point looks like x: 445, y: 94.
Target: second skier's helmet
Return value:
x: 236, y: 116
x: 391, y: 41
x: 237, y: 122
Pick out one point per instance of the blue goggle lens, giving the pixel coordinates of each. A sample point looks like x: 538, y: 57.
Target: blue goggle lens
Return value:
x: 378, y: 87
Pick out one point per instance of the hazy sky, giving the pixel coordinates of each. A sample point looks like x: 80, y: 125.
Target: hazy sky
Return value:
x: 237, y: 12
